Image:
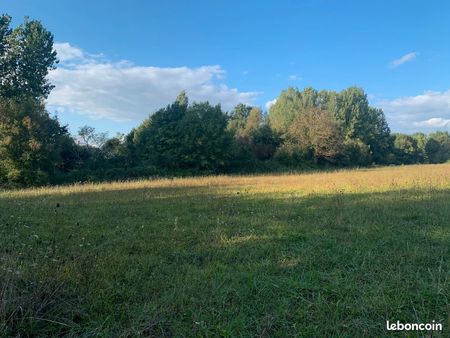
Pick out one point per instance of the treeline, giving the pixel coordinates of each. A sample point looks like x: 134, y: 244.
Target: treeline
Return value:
x: 303, y: 129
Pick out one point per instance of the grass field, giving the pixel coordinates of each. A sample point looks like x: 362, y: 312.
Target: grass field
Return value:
x: 313, y: 255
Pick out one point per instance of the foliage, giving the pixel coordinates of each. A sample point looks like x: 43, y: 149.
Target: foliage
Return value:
x: 317, y: 136
x: 26, y: 56
x: 357, y: 152
x: 238, y: 118
x: 182, y: 136
x: 303, y: 129
x: 30, y: 142
x: 405, y: 149
x: 351, y: 110
x: 438, y: 147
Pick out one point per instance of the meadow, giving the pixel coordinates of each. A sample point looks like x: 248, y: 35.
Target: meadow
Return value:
x: 309, y: 255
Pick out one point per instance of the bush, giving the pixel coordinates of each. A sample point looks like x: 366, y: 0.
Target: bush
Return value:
x: 357, y: 153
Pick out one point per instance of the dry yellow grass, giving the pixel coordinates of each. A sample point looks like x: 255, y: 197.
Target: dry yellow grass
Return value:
x: 353, y: 180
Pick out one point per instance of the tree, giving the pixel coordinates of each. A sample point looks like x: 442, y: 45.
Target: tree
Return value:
x: 205, y: 141
x: 30, y: 142
x: 316, y: 135
x: 421, y: 140
x: 406, y: 149
x: 238, y: 118
x: 352, y: 112
x: 256, y: 138
x: 253, y: 122
x: 89, y: 138
x: 26, y: 57
x: 182, y: 99
x: 357, y: 152
x: 182, y: 136
x: 114, y: 147
x: 438, y: 147
x: 264, y: 142
x: 378, y: 136
x: 433, y: 151
x: 284, y: 110
x: 356, y: 119
x: 158, y: 139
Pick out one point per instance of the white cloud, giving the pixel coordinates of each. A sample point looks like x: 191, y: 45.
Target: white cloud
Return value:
x: 66, y: 52
x: 428, y: 111
x: 436, y: 122
x: 405, y: 58
x: 270, y: 104
x: 294, y: 77
x: 122, y: 91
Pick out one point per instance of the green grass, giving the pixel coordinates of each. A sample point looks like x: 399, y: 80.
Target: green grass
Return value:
x: 230, y: 259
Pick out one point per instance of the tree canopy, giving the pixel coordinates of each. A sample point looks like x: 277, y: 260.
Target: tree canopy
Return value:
x: 303, y: 128
x: 27, y: 55
x: 184, y: 136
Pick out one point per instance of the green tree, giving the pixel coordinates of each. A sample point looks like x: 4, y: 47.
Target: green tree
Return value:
x: 378, y: 136
x: 182, y: 136
x: 205, y: 141
x: 264, y: 142
x: 433, y: 151
x: 352, y: 112
x: 253, y: 122
x: 293, y: 102
x: 350, y: 108
x: 406, y: 149
x: 438, y: 147
x: 158, y: 140
x: 422, y: 140
x: 238, y: 118
x: 357, y: 152
x: 182, y: 99
x: 30, y: 142
x: 284, y: 110
x: 26, y: 57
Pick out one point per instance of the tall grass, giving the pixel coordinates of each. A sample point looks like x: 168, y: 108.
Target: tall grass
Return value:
x: 311, y: 255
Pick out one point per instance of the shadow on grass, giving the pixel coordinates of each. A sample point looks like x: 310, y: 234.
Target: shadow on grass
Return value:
x: 206, y: 262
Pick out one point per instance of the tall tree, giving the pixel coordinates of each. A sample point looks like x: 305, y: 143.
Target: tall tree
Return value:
x: 30, y: 142
x: 378, y: 136
x: 253, y: 122
x: 284, y: 110
x: 421, y: 139
x: 352, y: 112
x: 182, y: 136
x: 316, y: 135
x: 26, y: 57
x: 238, y: 118
x: 205, y: 141
x: 158, y: 138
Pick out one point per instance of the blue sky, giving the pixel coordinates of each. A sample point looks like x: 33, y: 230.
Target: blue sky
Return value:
x: 121, y: 60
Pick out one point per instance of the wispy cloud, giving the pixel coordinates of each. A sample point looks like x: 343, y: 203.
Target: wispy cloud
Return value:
x: 294, y: 77
x: 434, y: 122
x: 122, y: 91
x: 425, y: 112
x: 404, y: 59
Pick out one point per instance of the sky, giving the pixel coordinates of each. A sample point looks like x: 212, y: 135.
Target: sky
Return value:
x: 121, y: 60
